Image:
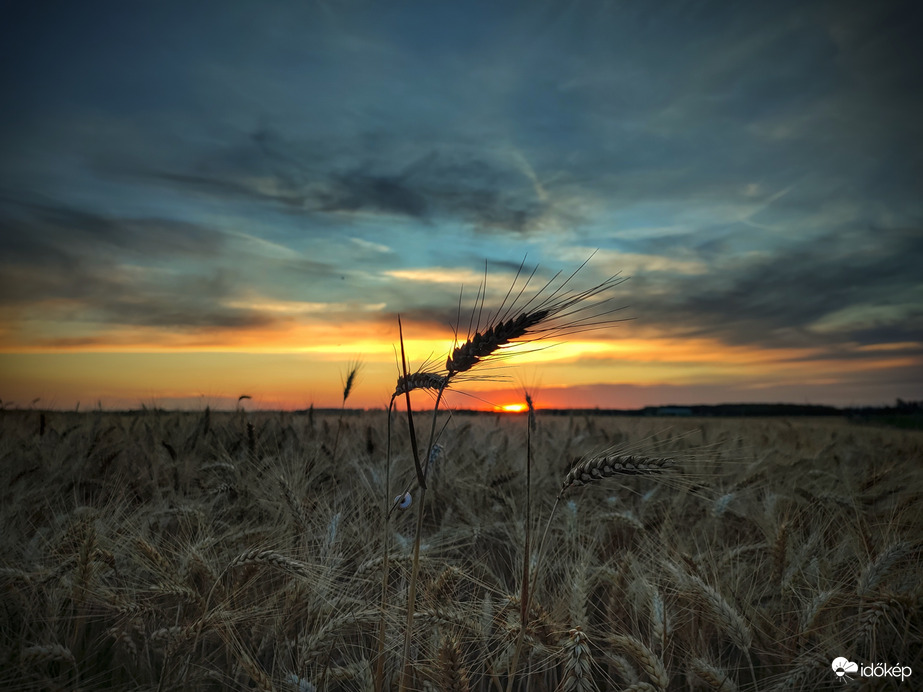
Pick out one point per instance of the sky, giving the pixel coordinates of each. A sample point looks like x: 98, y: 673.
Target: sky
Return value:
x: 205, y: 200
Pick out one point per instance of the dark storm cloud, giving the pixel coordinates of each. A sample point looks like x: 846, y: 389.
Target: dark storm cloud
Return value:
x: 228, y: 188
x: 783, y: 299
x: 116, y: 269
x: 870, y: 355
x: 106, y: 269
x: 438, y: 197
x: 434, y: 186
x: 101, y: 292
x: 35, y: 231
x: 359, y: 191
x: 359, y: 112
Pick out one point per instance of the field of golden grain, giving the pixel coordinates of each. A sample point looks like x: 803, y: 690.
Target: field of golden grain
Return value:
x: 233, y: 551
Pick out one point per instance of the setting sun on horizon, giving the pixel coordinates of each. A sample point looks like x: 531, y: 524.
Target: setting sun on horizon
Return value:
x: 513, y: 408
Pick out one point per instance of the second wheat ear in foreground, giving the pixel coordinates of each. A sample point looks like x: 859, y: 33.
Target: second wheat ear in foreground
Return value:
x: 605, y: 466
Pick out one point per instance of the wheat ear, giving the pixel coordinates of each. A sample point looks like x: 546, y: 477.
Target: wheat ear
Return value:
x: 648, y: 660
x: 605, y: 466
x: 453, y: 676
x: 557, y: 312
x: 878, y: 569
x: 419, y: 380
x: 578, y: 674
x: 485, y: 344
x: 722, y: 613
x: 712, y: 676
x: 259, y: 556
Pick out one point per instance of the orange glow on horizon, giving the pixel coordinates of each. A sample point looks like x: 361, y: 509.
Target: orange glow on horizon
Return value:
x: 511, y: 408
x: 293, y: 364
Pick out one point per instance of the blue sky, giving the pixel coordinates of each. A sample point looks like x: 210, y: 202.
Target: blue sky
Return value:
x: 184, y: 178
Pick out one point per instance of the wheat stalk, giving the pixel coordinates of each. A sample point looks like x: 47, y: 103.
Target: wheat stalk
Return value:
x: 722, y: 613
x: 358, y: 674
x: 813, y: 609
x: 660, y: 625
x: 623, y: 667
x: 510, y: 324
x: 318, y: 643
x: 154, y: 556
x: 295, y: 505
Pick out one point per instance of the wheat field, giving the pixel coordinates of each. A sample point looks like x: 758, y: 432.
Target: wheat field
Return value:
x: 241, y: 550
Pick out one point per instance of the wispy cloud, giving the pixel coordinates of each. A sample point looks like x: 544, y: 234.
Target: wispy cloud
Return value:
x: 438, y: 275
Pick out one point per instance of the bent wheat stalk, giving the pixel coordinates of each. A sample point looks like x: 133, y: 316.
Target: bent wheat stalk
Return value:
x: 527, y: 549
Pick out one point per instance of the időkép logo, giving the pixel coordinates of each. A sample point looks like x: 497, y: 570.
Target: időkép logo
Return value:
x: 844, y: 669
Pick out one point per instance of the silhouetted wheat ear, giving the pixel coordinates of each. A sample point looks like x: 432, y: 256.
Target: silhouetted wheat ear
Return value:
x: 350, y: 380
x: 486, y: 343
x: 419, y: 380
x: 606, y: 466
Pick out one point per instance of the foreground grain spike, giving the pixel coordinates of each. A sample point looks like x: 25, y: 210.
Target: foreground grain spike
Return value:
x: 578, y: 674
x: 647, y: 659
x: 48, y: 653
x: 259, y: 556
x: 486, y: 343
x: 712, y: 675
x: 350, y: 380
x: 453, y: 676
x: 419, y: 380
x: 605, y: 466
x: 718, y: 609
x: 551, y: 311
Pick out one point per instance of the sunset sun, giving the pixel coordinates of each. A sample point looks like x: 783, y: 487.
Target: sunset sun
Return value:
x: 512, y: 408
